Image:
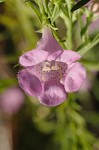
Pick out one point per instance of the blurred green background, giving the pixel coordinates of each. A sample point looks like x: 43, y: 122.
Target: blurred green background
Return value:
x: 33, y: 126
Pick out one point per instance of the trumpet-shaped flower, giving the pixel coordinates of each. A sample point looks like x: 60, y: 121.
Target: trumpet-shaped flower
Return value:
x: 50, y: 72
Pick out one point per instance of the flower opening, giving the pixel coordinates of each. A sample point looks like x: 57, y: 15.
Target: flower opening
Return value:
x: 50, y: 72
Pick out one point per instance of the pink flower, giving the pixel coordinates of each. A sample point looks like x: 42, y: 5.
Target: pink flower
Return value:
x: 50, y: 72
x: 11, y: 100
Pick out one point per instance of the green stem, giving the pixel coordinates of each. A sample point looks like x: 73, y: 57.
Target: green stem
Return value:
x: 67, y: 17
x: 58, y: 39
x: 69, y: 35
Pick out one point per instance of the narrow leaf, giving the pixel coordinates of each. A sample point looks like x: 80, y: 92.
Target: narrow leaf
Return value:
x: 55, y: 13
x: 79, y: 4
x: 34, y: 6
x: 89, y: 46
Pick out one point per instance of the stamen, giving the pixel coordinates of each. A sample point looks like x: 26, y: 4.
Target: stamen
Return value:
x: 52, y: 71
x: 55, y: 68
x: 46, y: 67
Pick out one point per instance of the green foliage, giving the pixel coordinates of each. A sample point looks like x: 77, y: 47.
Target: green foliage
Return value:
x: 89, y: 45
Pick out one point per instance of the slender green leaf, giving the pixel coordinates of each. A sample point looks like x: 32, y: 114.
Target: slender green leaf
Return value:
x: 55, y: 13
x: 79, y: 4
x: 45, y: 4
x: 34, y: 6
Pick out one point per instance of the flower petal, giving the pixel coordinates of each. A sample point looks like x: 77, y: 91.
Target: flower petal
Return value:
x: 75, y: 77
x: 33, y: 57
x: 53, y: 95
x: 48, y: 42
x: 69, y: 56
x: 29, y: 83
x: 55, y: 56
